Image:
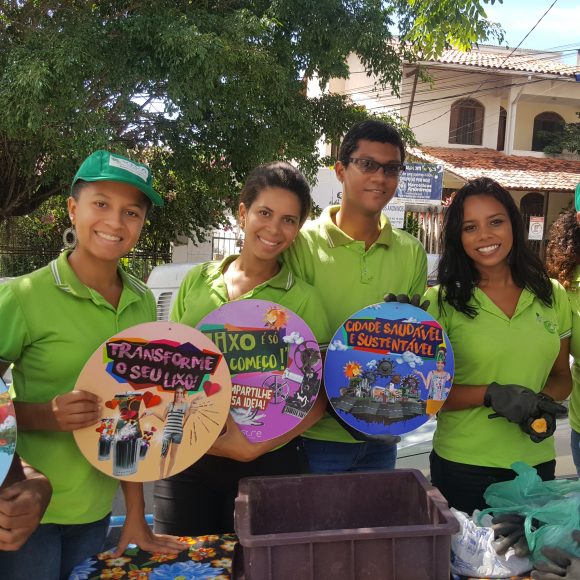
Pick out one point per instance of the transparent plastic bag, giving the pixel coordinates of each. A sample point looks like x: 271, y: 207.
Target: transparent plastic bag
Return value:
x: 473, y: 555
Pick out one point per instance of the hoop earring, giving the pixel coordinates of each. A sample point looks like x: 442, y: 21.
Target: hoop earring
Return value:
x: 69, y: 238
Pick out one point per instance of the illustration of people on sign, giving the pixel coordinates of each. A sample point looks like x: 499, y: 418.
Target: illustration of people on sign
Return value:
x: 174, y: 418
x: 437, y: 382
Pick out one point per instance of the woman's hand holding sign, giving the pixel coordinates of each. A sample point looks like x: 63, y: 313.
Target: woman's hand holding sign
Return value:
x: 66, y: 412
x: 75, y: 410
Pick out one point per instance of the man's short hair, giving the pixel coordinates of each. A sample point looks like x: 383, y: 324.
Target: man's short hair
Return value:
x: 369, y: 130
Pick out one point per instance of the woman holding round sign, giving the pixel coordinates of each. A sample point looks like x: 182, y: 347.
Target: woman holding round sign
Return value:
x: 274, y: 203
x: 509, y: 326
x: 52, y: 321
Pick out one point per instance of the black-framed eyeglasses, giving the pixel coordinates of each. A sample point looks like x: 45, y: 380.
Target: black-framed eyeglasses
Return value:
x: 372, y: 166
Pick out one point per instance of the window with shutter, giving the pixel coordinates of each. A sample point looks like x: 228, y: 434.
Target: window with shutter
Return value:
x: 466, y: 122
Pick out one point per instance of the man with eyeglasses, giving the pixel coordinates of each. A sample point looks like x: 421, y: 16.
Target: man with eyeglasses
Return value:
x: 353, y: 257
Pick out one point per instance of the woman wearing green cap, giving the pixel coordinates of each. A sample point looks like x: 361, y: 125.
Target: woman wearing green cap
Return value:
x: 52, y: 321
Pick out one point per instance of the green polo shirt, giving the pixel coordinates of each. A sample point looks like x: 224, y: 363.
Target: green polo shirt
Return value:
x: 51, y: 325
x: 203, y: 290
x: 491, y: 347
x: 348, y: 278
x: 574, y: 296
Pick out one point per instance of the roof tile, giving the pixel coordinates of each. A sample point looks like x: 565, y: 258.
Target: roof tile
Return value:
x: 511, y: 171
x: 534, y: 62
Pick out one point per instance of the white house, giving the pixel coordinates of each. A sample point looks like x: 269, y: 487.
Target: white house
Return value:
x: 481, y: 113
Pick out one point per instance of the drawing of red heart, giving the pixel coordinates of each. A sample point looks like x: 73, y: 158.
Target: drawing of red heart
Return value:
x: 151, y: 400
x: 112, y: 404
x: 127, y: 414
x: 211, y: 388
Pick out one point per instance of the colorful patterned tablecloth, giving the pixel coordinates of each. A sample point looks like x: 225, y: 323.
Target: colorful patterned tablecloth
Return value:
x: 208, y: 557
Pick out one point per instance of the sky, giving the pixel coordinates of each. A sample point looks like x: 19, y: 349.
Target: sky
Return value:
x: 560, y: 28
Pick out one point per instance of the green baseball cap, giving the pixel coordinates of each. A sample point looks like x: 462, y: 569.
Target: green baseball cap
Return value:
x: 106, y: 166
x: 577, y: 197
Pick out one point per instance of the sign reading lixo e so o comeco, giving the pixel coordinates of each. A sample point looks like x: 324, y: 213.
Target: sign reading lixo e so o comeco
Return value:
x: 274, y: 361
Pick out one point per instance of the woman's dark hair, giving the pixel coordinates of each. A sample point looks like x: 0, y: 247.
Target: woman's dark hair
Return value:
x: 563, y: 249
x: 369, y: 130
x: 457, y: 273
x: 80, y: 184
x: 277, y: 174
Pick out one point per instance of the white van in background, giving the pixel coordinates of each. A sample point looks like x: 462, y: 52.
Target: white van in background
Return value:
x: 164, y: 282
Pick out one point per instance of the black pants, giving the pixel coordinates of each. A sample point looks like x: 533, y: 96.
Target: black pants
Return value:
x: 463, y: 485
x: 200, y: 500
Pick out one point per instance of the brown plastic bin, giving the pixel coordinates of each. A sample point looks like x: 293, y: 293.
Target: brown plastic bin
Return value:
x: 380, y: 525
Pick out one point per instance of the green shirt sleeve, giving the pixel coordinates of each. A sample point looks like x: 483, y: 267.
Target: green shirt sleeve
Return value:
x: 14, y: 334
x: 150, y: 298
x: 420, y: 279
x: 440, y: 315
x: 298, y: 258
x: 182, y: 297
x: 314, y: 315
x: 563, y: 310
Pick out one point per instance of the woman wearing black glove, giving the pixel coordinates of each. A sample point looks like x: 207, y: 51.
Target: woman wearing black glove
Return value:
x: 509, y: 326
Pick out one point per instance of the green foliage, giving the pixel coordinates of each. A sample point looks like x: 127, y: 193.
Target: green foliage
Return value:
x: 567, y: 141
x: 412, y: 224
x: 30, y: 242
x: 203, y: 90
x: 430, y: 26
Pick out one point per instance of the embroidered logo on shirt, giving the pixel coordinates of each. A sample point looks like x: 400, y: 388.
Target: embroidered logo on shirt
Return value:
x: 548, y: 325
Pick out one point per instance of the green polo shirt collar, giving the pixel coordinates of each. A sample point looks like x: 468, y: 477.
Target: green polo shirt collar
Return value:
x: 66, y: 279
x: 336, y: 237
x: 284, y: 279
x: 525, y: 300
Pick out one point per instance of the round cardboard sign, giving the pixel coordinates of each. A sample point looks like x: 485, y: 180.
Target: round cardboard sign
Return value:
x: 388, y: 368
x: 166, y: 393
x: 7, y: 431
x: 274, y: 361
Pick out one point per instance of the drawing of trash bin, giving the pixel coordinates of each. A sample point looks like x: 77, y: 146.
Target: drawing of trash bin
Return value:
x: 127, y: 437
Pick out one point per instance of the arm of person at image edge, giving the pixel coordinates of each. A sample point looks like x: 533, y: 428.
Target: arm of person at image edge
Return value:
x: 301, y: 258
x: 76, y: 410
x: 559, y: 383
x: 135, y: 529
x: 233, y: 444
x: 65, y: 412
x: 24, y: 497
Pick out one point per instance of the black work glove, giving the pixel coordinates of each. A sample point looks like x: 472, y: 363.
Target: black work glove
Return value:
x: 559, y: 564
x: 404, y: 299
x: 519, y: 404
x: 541, y: 428
x: 508, y: 531
x: 385, y: 439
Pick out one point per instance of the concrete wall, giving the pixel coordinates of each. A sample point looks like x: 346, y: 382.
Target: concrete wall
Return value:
x: 187, y: 253
x: 527, y: 111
